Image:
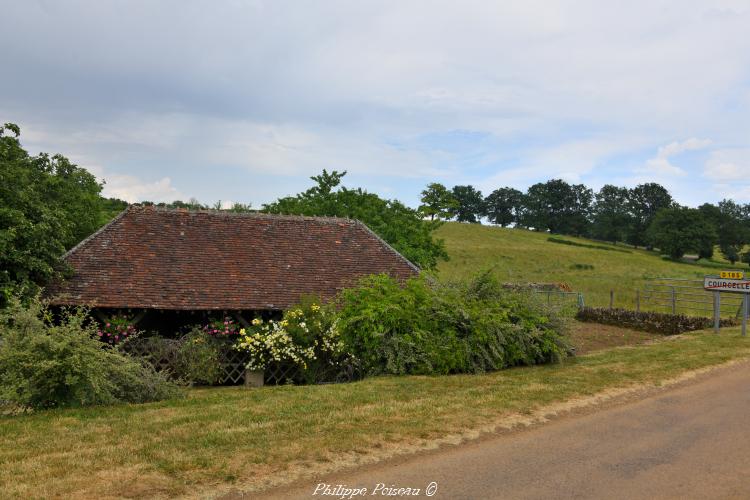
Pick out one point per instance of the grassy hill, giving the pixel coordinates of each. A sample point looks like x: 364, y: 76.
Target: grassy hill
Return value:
x: 593, y: 268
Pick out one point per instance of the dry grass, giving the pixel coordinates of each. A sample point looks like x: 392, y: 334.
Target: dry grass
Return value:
x: 521, y: 256
x: 231, y: 437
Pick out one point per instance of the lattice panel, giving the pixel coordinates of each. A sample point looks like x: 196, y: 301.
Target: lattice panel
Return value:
x: 163, y: 354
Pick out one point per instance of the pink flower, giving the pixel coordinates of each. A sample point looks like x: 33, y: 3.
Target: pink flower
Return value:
x: 100, y: 333
x: 107, y: 325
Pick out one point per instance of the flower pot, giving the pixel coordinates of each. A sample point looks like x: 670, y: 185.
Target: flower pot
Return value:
x: 254, y: 378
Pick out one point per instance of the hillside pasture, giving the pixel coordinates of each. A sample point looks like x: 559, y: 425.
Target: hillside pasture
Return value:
x: 591, y: 267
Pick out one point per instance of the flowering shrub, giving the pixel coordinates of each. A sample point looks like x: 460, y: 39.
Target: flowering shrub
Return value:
x: 307, y: 336
x: 116, y: 329
x: 223, y: 326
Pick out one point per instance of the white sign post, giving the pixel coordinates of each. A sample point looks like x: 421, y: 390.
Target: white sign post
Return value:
x: 718, y: 284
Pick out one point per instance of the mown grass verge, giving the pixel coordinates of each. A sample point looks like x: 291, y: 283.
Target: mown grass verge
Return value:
x: 232, y: 436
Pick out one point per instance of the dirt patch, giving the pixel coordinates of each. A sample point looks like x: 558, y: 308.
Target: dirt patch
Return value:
x: 590, y: 337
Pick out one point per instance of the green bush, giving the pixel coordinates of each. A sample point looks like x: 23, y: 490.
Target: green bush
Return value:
x: 199, y: 357
x: 425, y: 327
x: 46, y: 363
x: 666, y: 324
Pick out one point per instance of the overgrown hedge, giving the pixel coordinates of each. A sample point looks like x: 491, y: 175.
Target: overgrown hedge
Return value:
x: 426, y: 327
x: 46, y: 363
x: 654, y: 322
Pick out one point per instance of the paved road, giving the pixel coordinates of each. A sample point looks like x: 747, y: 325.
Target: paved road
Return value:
x: 688, y: 442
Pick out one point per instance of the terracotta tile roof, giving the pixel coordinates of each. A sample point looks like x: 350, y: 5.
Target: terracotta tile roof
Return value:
x: 175, y: 259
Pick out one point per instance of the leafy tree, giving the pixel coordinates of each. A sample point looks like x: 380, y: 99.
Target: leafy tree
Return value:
x: 733, y: 229
x: 438, y: 202
x: 47, y: 205
x: 678, y: 230
x: 644, y: 201
x: 470, y: 204
x: 558, y: 207
x: 402, y: 227
x: 610, y: 214
x: 504, y: 206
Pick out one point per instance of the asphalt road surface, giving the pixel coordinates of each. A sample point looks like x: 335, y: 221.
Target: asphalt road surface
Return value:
x: 691, y: 441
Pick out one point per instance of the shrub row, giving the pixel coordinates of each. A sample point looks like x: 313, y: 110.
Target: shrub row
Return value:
x: 654, y: 322
x: 425, y: 327
x: 553, y: 239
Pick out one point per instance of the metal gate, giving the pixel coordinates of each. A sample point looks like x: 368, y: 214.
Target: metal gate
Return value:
x: 687, y: 296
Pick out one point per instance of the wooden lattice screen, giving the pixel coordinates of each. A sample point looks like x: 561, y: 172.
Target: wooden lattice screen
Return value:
x: 163, y: 355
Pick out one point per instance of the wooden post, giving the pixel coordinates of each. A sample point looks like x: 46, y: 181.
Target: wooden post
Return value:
x: 745, y: 307
x: 611, y: 299
x: 637, y: 301
x: 674, y: 301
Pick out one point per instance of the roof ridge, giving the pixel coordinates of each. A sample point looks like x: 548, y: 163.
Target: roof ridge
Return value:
x: 258, y: 214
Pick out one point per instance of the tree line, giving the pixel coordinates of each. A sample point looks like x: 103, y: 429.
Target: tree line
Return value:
x: 645, y: 215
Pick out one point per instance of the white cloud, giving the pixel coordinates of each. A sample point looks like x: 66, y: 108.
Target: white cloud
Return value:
x: 728, y: 165
x: 132, y: 189
x: 661, y: 164
x: 274, y: 91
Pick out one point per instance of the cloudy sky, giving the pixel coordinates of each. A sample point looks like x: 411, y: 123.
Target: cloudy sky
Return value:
x: 243, y: 100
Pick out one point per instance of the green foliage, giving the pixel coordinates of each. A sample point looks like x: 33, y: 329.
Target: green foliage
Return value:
x: 47, y: 205
x: 438, y: 202
x: 665, y: 324
x: 644, y: 202
x: 504, y: 206
x: 46, y: 363
x: 558, y: 207
x: 199, y: 357
x: 402, y: 227
x: 425, y: 327
x: 611, y: 217
x: 678, y: 230
x: 470, y: 204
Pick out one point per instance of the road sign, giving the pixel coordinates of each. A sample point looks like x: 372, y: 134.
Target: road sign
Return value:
x: 732, y: 275
x: 726, y: 285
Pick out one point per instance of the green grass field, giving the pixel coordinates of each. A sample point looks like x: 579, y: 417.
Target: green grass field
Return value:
x: 525, y: 256
x: 233, y: 437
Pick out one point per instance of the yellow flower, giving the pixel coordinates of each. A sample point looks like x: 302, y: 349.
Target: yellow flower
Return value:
x: 257, y: 321
x: 242, y: 331
x: 315, y: 307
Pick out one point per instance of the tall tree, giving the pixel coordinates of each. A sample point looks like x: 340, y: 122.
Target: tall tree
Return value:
x: 558, y: 207
x: 470, y: 203
x: 504, y: 206
x: 438, y: 202
x: 610, y: 214
x: 402, y: 227
x: 678, y: 230
x: 47, y: 205
x: 728, y: 220
x: 644, y: 201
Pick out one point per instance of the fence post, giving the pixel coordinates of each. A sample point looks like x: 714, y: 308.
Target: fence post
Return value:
x: 580, y: 300
x: 611, y: 299
x: 717, y: 311
x: 674, y: 301
x: 637, y: 301
x: 745, y: 303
